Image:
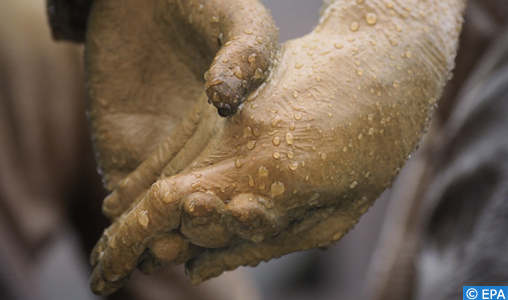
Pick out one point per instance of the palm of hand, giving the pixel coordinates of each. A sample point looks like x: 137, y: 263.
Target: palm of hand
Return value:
x: 293, y: 169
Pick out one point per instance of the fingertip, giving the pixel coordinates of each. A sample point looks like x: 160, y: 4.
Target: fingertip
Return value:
x: 97, y: 284
x: 103, y: 287
x: 255, y: 218
x: 226, y: 96
x: 224, y: 110
x: 172, y: 248
x: 111, y: 206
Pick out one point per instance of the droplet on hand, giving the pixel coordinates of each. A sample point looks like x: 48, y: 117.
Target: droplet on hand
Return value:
x: 338, y: 45
x: 251, y: 144
x: 263, y: 172
x: 354, y: 26
x: 371, y: 18
x: 257, y: 238
x: 238, y: 163
x: 289, y: 138
x: 112, y: 242
x: 277, y: 188
x: 143, y: 218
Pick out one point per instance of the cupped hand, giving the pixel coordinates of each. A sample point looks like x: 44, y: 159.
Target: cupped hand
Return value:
x: 297, y: 163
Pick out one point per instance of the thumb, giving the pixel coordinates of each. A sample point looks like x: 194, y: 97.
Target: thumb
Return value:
x: 244, y: 37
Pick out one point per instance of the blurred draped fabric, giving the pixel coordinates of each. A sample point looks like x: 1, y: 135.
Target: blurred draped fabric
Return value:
x: 441, y: 226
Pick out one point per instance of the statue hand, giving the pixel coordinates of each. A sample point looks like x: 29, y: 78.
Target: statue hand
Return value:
x: 300, y: 162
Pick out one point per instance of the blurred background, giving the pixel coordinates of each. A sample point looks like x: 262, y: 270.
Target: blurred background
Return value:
x: 441, y: 226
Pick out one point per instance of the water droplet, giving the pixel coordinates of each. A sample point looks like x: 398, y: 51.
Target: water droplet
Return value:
x: 259, y: 39
x: 238, y: 73
x: 307, y: 178
x: 252, y: 57
x: 247, y: 31
x: 359, y: 71
x: 396, y: 84
x: 290, y: 154
x: 276, y: 140
x: 239, y: 162
x: 247, y: 132
x: 195, y: 185
x: 298, y: 65
x: 353, y: 185
x: 143, y: 218
x: 112, y: 242
x: 371, y: 18
x: 371, y: 131
x: 344, y: 149
x: 276, y: 120
x: 293, y: 166
x: 256, y: 132
x: 354, y: 26
x: 338, y: 45
x: 408, y: 54
x: 295, y: 94
x: 258, y: 74
x: 263, y: 172
x: 360, y: 136
x: 289, y: 138
x: 370, y: 117
x: 277, y: 188
x: 198, y: 175
x: 257, y: 238
x: 276, y: 155
x: 261, y: 186
x: 292, y: 126
x: 298, y: 116
x: 389, y: 4
x: 251, y: 145
x: 251, y: 181
x: 396, y: 171
x: 323, y: 156
x: 216, y: 81
x: 225, y: 60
